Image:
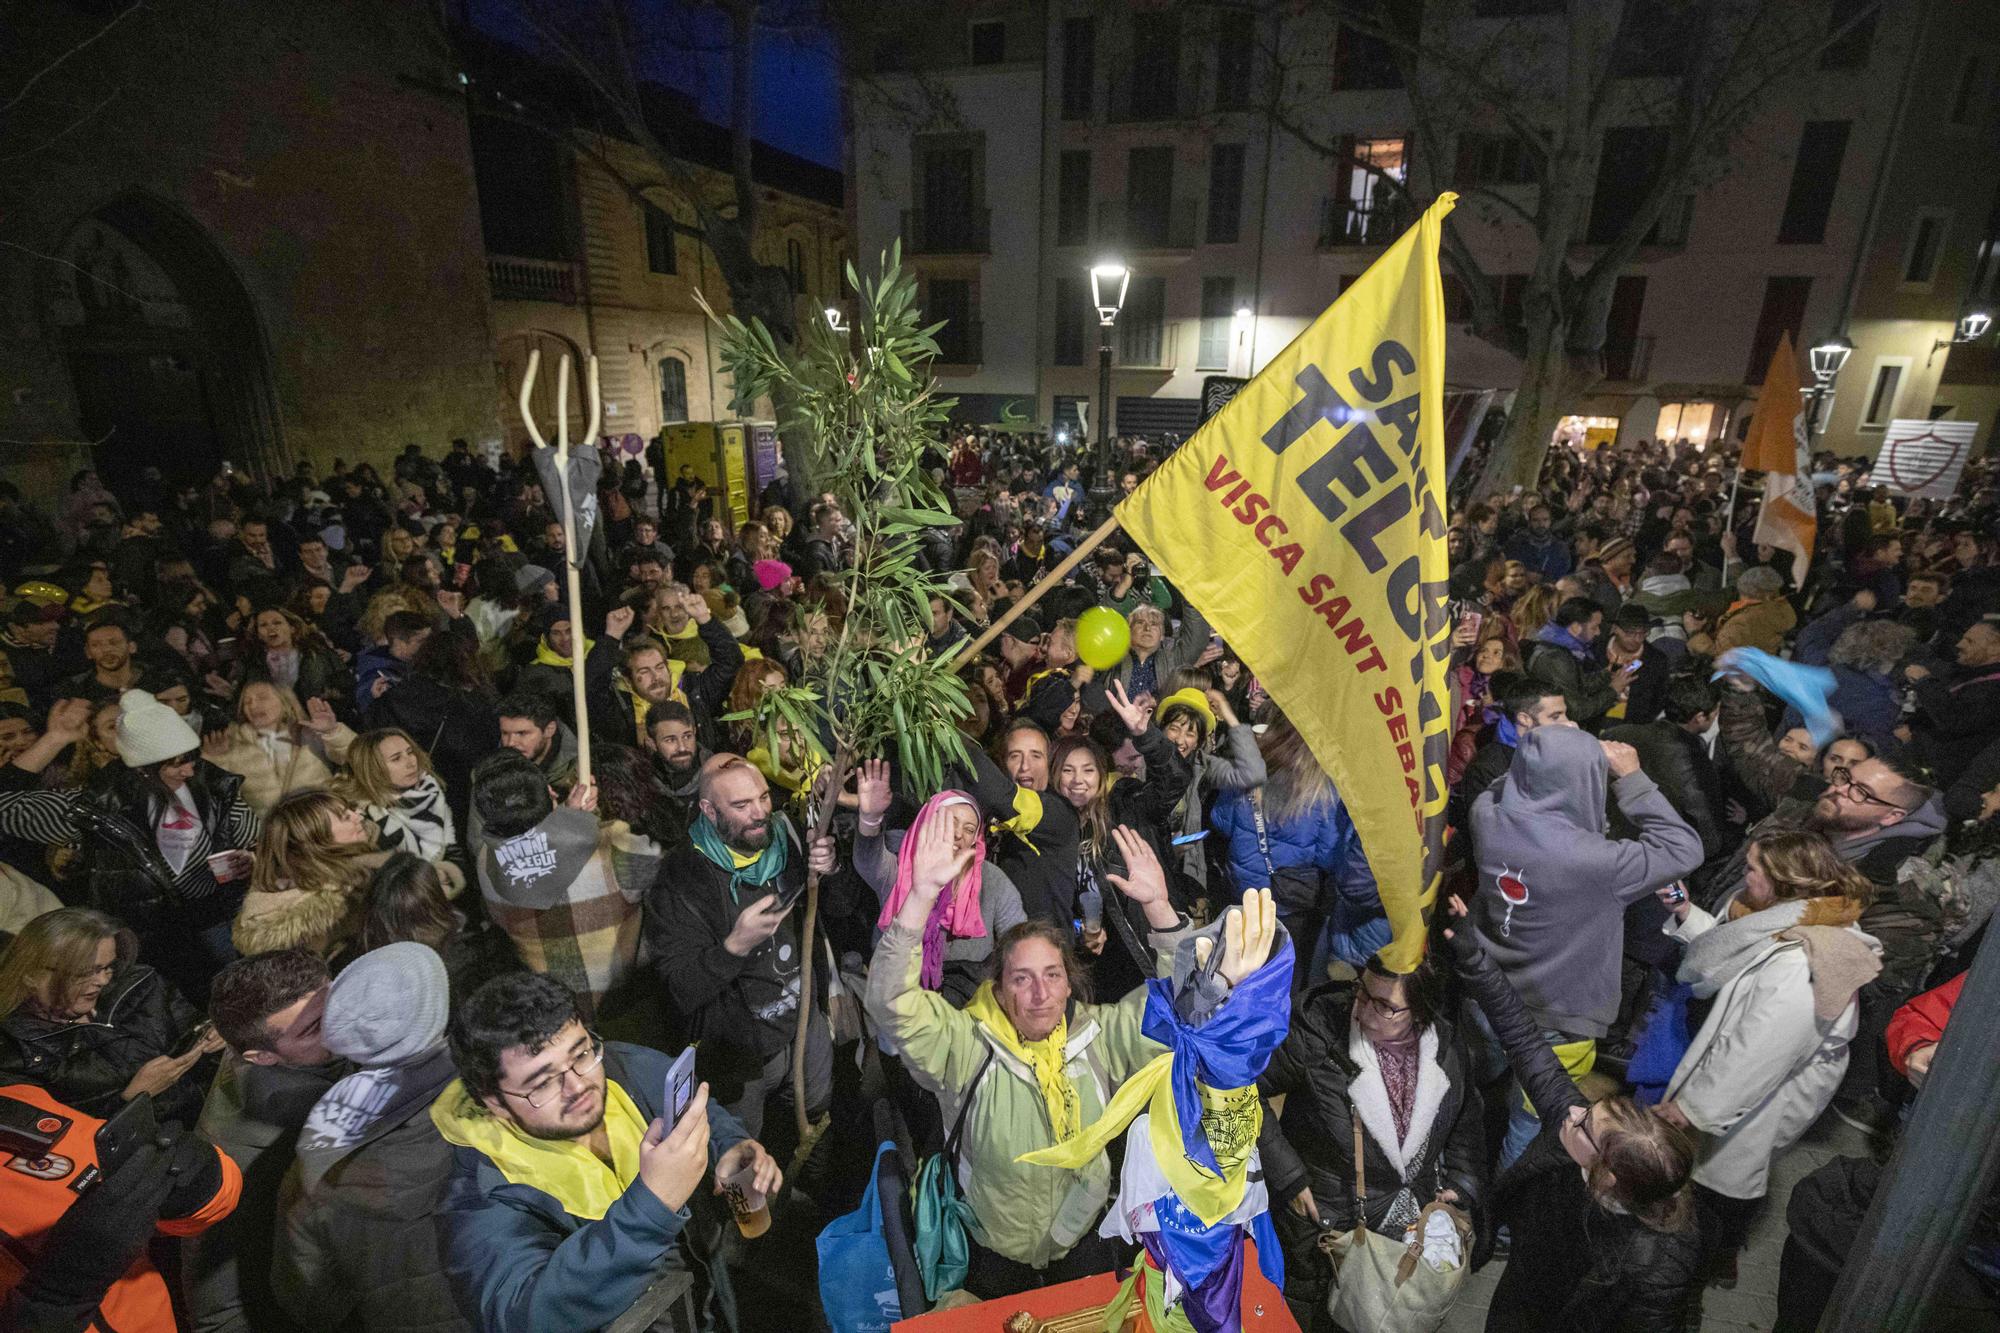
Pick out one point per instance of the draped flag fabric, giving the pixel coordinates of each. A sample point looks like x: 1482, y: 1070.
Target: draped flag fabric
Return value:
x: 1306, y: 520
x: 1776, y: 446
x: 585, y: 465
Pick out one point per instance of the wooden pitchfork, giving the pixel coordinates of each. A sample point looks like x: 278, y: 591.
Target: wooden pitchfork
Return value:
x: 571, y: 559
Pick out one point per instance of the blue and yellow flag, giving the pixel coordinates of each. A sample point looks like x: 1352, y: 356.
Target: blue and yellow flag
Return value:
x: 1306, y: 520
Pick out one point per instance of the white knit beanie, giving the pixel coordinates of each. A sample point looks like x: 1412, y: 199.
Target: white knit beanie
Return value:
x: 149, y: 732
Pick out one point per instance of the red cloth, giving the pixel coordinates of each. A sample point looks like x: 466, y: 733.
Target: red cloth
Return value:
x: 1921, y: 1022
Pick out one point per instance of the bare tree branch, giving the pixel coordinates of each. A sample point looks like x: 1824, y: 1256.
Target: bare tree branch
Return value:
x: 84, y: 45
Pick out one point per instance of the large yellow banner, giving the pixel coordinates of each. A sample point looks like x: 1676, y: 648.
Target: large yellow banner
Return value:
x: 1306, y: 520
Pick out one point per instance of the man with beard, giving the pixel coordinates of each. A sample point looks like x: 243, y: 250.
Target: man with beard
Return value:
x: 1958, y: 713
x: 570, y: 1185
x: 718, y: 923
x: 530, y: 727
x: 29, y: 642
x: 1875, y: 815
x: 649, y: 676
x: 1539, y: 548
x: 677, y: 753
x: 114, y: 663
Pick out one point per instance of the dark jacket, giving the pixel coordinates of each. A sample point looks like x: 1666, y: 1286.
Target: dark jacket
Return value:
x: 1686, y: 776
x: 1311, y: 1145
x: 706, y: 688
x: 1037, y: 843
x: 1586, y: 689
x: 1146, y: 807
x: 359, y: 1245
x: 741, y: 1011
x: 322, y: 675
x: 1574, y: 1263
x: 1957, y: 717
x: 139, y: 1016
x: 526, y: 1264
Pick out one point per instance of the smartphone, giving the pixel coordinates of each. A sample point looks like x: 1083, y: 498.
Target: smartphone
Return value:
x: 1188, y: 839
x: 791, y: 896
x: 1635, y: 664
x: 680, y: 1086
x: 1675, y: 893
x: 1473, y: 620
x: 193, y: 1037
x: 123, y: 1134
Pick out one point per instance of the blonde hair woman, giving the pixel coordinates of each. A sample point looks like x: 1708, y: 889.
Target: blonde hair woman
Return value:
x: 391, y: 779
x: 82, y: 1017
x: 1783, y: 970
x: 276, y: 746
x: 309, y: 887
x: 1533, y: 610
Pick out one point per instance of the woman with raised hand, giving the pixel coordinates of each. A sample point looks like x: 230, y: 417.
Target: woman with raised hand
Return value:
x: 1600, y: 1205
x: 276, y: 746
x: 1036, y: 1059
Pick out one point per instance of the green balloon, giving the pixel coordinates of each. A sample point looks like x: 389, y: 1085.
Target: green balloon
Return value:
x: 1102, y: 636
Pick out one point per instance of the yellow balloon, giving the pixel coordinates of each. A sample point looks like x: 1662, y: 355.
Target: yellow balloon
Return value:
x: 1102, y: 636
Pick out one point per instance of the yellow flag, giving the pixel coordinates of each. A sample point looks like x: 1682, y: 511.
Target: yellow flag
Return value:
x: 1306, y: 520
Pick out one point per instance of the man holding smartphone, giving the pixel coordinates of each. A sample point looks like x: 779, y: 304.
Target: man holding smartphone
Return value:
x: 570, y: 1190
x: 724, y: 938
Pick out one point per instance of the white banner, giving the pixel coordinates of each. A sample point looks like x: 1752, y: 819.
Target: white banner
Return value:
x: 1924, y: 458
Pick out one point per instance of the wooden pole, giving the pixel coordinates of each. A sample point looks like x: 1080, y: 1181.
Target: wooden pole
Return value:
x: 970, y: 653
x: 1940, y: 1176
x: 571, y: 567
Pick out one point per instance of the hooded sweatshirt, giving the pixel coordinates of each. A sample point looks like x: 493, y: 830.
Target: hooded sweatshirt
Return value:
x: 555, y: 890
x: 1553, y: 887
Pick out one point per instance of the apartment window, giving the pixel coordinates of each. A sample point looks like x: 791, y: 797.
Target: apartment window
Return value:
x: 1155, y: 89
x: 1493, y: 159
x: 1235, y: 31
x: 1073, y: 315
x: 1626, y: 171
x: 1366, y: 208
x: 949, y: 190
x: 1079, y: 67
x: 1920, y: 258
x: 1225, y: 193
x: 524, y: 182
x: 1142, y: 324
x: 1625, y: 352
x: 673, y: 390
x: 1218, y: 319
x: 1880, y: 408
x: 1073, y: 197
x: 1965, y: 90
x: 1149, y: 195
x: 1362, y: 61
x: 795, y: 267
x: 1784, y: 311
x: 661, y: 253
x: 950, y: 299
x: 1854, y: 22
x: 987, y: 42
x: 1815, y: 174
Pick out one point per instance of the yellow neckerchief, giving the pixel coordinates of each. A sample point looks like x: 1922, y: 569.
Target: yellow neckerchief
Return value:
x: 791, y: 779
x: 507, y: 545
x: 565, y: 1169
x: 1231, y: 1118
x: 743, y: 860
x: 547, y: 656
x: 1027, y: 817
x: 641, y: 705
x: 84, y: 606
x: 1046, y: 1057
x: 681, y: 635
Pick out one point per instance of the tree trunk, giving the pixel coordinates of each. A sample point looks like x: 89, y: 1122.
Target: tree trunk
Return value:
x: 1551, y: 377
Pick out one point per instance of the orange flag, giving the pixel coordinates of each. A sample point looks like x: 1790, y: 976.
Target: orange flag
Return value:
x: 1776, y: 446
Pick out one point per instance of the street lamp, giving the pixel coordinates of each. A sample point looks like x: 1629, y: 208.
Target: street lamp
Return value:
x: 835, y: 320
x: 1971, y: 328
x: 1108, y: 284
x: 1828, y: 355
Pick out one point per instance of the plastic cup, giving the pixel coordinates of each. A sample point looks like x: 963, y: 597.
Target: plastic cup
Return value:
x: 746, y: 1202
x: 1090, y: 905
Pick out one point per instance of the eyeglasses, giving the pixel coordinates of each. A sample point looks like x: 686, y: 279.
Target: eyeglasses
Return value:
x: 1844, y: 777
x: 1381, y: 1006
x: 1589, y: 1135
x: 550, y: 1084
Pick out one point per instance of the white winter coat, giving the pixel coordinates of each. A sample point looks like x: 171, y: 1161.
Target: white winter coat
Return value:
x: 1762, y: 1069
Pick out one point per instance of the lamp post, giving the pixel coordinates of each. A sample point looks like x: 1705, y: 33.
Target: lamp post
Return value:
x: 1108, y: 283
x: 1971, y: 328
x: 1828, y: 355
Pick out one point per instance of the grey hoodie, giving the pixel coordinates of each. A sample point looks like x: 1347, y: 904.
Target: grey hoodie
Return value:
x: 1553, y: 887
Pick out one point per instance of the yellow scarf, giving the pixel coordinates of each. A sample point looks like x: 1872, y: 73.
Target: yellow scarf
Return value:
x: 565, y: 1169
x: 1047, y: 1057
x: 547, y: 656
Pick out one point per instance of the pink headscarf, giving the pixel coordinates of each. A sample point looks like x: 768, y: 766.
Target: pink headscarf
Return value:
x: 957, y: 911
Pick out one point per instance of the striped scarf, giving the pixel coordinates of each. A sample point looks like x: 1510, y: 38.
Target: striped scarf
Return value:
x: 417, y: 821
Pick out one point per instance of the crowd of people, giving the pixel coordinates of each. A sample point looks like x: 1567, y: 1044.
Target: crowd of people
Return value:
x: 294, y: 848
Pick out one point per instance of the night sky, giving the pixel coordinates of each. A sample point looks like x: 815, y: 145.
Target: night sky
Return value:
x: 798, y: 97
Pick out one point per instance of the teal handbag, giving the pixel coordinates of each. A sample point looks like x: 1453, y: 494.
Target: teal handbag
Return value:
x: 944, y: 1252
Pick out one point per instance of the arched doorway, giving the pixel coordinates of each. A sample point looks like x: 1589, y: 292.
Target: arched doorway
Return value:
x: 164, y: 348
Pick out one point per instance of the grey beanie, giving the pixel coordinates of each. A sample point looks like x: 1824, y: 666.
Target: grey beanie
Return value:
x: 531, y: 576
x: 389, y: 1006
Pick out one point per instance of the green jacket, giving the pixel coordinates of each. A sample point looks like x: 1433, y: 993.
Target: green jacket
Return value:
x: 1030, y: 1214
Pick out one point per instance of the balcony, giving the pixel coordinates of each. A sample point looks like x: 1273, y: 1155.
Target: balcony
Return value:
x: 1629, y: 361
x: 512, y: 278
x: 960, y: 343
x: 1136, y: 98
x: 1122, y: 225
x: 1351, y: 222
x: 959, y: 231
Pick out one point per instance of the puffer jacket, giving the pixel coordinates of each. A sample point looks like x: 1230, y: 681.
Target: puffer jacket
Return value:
x: 1015, y: 1207
x: 88, y: 1064
x: 1321, y: 1075
x: 320, y: 917
x: 265, y: 783
x: 1316, y: 865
